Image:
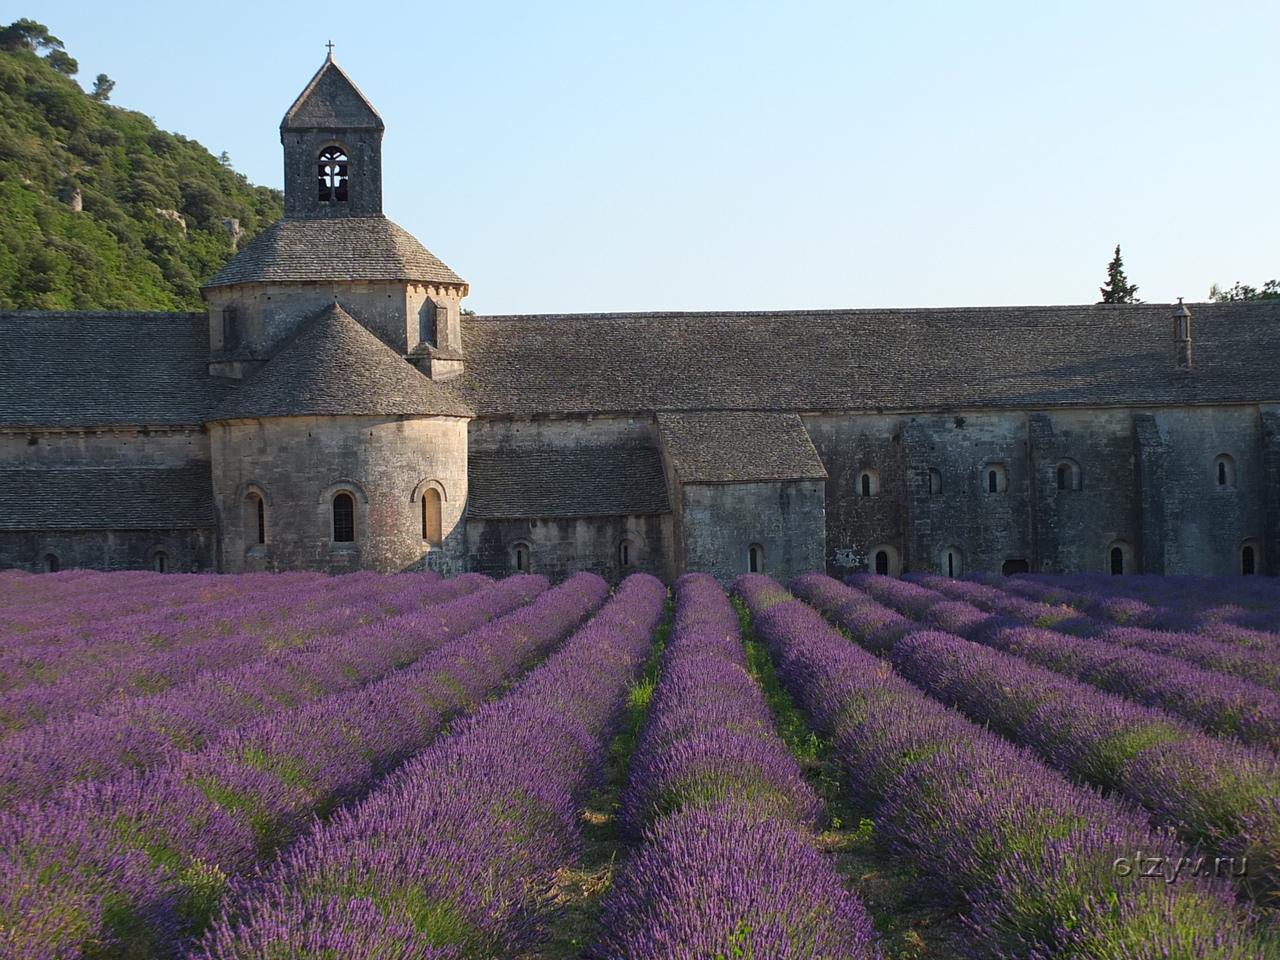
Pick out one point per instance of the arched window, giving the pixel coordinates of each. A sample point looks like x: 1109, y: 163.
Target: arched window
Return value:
x: 1250, y: 557
x: 432, y: 530
x: 522, y: 557
x: 51, y: 564
x: 883, y: 559
x: 1119, y: 558
x: 344, y: 518
x: 755, y: 558
x: 1224, y: 471
x: 255, y: 519
x: 866, y: 485
x: 868, y: 482
x: 1068, y: 475
x: 882, y: 562
x: 160, y: 562
x: 935, y: 482
x: 333, y: 172
x: 625, y: 553
x: 995, y: 480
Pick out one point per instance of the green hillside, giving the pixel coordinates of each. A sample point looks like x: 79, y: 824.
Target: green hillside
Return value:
x: 150, y: 226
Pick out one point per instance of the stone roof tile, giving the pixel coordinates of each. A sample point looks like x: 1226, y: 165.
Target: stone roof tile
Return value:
x: 337, y: 248
x: 582, y: 481
x: 107, y: 498
x: 333, y: 366
x: 870, y: 360
x: 733, y: 446
x: 105, y: 369
x: 331, y: 100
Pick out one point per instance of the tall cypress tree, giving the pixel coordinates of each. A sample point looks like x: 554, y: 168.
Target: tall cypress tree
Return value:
x: 1118, y: 288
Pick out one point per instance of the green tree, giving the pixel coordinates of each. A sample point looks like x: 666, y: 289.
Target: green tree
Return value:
x: 26, y: 34
x: 1242, y: 291
x: 1118, y: 288
x: 102, y: 87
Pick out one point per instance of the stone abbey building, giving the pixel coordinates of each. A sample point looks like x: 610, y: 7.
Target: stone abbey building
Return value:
x: 334, y: 410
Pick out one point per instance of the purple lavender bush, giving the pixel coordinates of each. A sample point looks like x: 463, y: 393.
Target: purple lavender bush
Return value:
x: 147, y: 856
x: 727, y: 866
x: 463, y: 839
x: 1029, y: 857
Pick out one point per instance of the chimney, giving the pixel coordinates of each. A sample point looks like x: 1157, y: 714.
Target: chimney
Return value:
x: 1182, y: 334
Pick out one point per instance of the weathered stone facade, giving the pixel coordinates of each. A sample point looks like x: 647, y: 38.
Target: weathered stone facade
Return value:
x: 335, y: 411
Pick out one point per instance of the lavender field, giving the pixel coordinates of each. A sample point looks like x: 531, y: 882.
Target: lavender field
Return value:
x: 392, y: 767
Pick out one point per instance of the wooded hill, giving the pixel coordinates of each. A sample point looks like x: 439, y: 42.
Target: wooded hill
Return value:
x: 99, y: 209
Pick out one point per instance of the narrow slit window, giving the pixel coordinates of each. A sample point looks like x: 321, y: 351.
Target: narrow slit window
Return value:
x: 993, y: 482
x: 624, y: 553
x: 1222, y: 474
x: 334, y: 171
x: 522, y: 557
x: 882, y: 562
x: 1248, y: 561
x: 161, y: 562
x: 344, y: 518
x: 1062, y: 477
x: 262, y: 521
x: 1117, y: 561
x: 755, y: 558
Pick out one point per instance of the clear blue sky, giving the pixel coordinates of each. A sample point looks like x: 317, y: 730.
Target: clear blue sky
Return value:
x: 627, y: 156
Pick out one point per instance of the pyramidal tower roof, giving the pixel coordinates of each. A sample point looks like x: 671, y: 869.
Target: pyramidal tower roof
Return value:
x: 335, y: 367
x: 330, y: 101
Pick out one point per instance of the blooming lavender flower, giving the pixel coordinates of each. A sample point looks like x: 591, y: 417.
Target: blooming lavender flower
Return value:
x: 464, y: 836
x: 1026, y: 854
x: 727, y: 865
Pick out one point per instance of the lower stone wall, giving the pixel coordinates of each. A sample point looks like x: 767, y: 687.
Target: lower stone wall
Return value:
x: 185, y: 551
x: 784, y: 520
x: 559, y: 548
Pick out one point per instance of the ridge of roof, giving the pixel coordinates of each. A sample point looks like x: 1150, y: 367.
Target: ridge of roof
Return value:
x: 333, y: 366
x: 334, y: 248
x: 331, y: 100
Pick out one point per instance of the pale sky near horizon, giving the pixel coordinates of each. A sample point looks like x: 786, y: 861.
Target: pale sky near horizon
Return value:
x: 630, y: 156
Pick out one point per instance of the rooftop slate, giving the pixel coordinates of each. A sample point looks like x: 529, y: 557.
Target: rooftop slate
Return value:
x: 107, y: 498
x: 105, y: 369
x: 869, y: 360
x: 333, y: 366
x: 331, y: 100
x: 587, y: 481
x: 724, y: 447
x: 337, y: 248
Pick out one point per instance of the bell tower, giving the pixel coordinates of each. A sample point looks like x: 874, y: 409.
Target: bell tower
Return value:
x: 332, y: 140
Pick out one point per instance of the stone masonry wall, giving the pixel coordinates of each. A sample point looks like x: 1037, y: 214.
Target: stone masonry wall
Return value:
x: 723, y: 520
x: 297, y: 464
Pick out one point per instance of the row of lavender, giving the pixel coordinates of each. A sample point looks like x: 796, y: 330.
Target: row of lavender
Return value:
x: 727, y: 867
x: 451, y: 854
x: 148, y: 654
x: 1218, y: 703
x: 136, y: 863
x: 82, y: 638
x: 1247, y: 655
x: 1221, y: 606
x: 1030, y: 858
x: 135, y: 732
x: 1215, y: 792
x: 81, y: 597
